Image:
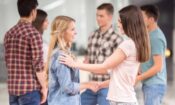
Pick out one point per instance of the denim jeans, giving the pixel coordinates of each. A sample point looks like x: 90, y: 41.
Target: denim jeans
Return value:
x: 90, y: 98
x: 122, y: 103
x: 153, y: 95
x: 31, y: 98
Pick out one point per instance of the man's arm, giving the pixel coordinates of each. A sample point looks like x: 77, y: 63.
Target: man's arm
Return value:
x: 42, y: 80
x: 157, y: 66
x: 37, y: 63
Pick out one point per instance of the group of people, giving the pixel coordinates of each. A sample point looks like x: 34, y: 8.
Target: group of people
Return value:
x: 117, y: 60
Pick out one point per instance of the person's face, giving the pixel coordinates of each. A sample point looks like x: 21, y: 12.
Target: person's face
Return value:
x: 45, y: 24
x: 70, y: 32
x: 120, y: 26
x: 103, y: 18
x: 147, y: 20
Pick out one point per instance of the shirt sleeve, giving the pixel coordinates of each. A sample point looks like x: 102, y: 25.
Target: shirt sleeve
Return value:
x: 126, y: 47
x: 37, y: 52
x: 64, y: 79
x: 157, y: 46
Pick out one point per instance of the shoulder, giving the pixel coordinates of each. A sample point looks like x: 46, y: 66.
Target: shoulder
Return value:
x: 157, y: 34
x: 127, y: 43
x: 128, y: 47
x: 12, y: 30
x: 33, y: 31
x: 55, y: 60
x: 117, y: 37
x: 157, y: 38
x: 93, y: 33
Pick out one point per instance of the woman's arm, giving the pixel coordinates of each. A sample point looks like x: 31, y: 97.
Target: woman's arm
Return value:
x: 111, y: 62
x: 94, y: 86
x: 69, y: 86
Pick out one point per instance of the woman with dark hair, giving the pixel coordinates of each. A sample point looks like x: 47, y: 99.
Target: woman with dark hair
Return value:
x: 124, y: 63
x: 41, y: 21
x: 41, y: 24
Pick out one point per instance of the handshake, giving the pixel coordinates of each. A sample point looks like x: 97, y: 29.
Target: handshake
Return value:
x: 95, y: 86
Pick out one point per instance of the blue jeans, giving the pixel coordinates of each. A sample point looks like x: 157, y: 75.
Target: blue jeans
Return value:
x: 31, y: 98
x: 90, y: 98
x: 153, y: 95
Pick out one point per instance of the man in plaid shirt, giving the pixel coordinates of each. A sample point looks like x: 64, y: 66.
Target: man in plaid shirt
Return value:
x: 24, y: 58
x: 101, y: 45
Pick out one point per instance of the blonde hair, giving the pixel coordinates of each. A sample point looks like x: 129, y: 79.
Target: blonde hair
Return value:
x: 58, y: 29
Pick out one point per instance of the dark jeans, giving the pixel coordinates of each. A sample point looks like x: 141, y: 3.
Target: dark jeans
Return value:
x: 31, y: 98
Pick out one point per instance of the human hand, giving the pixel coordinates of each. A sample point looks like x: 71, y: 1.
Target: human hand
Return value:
x: 94, y: 86
x: 67, y: 60
x: 104, y: 84
x: 43, y: 95
x: 138, y: 79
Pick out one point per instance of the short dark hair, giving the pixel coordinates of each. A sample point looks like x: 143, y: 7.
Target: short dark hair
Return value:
x: 40, y: 18
x: 151, y: 11
x: 25, y: 7
x: 107, y: 6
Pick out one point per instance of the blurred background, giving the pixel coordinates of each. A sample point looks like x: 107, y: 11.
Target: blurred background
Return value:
x: 84, y: 12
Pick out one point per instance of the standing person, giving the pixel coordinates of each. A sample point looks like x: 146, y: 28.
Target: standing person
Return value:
x: 101, y: 45
x: 41, y: 23
x: 153, y: 74
x: 125, y: 60
x: 24, y: 58
x: 64, y: 86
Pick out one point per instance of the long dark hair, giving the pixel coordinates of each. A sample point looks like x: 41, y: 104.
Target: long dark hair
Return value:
x: 40, y: 18
x: 134, y: 27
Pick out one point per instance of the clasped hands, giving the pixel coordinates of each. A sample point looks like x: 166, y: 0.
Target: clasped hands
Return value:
x: 95, y: 86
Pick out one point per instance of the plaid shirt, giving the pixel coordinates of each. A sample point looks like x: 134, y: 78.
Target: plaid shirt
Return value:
x: 24, y: 57
x: 100, y: 47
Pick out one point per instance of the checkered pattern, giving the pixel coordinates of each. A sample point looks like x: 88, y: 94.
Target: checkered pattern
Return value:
x: 100, y: 47
x: 24, y: 57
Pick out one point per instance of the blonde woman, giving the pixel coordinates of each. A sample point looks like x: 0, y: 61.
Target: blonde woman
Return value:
x: 64, y: 83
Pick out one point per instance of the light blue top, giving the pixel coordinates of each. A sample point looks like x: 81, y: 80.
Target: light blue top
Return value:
x: 63, y: 83
x: 158, y: 47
